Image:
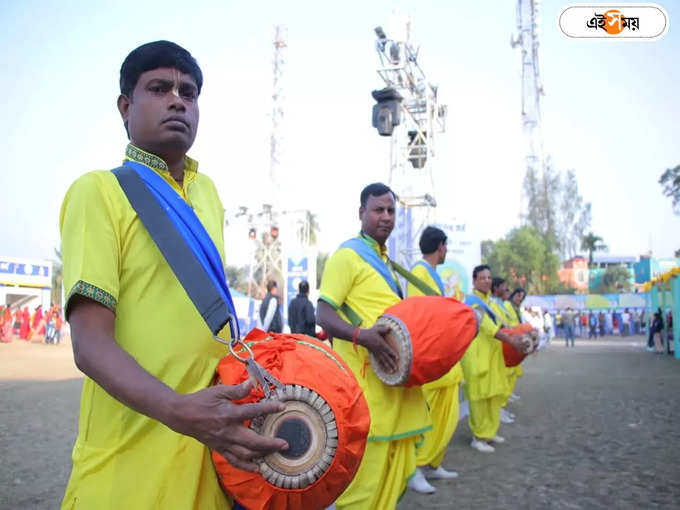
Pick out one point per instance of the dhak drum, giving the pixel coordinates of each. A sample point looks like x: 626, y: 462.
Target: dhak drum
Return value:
x: 429, y: 334
x: 325, y: 422
x: 512, y: 356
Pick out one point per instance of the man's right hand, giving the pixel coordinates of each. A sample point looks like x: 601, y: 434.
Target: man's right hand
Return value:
x: 212, y: 418
x: 518, y: 343
x: 374, y: 339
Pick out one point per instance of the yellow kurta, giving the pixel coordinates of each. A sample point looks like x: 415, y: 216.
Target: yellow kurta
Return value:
x: 486, y: 381
x: 513, y: 317
x: 121, y: 458
x: 398, y: 414
x: 441, y: 395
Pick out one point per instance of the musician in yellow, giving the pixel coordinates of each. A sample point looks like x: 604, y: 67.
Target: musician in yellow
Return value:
x: 358, y: 284
x: 500, y: 292
x: 441, y: 395
x: 513, y: 309
x: 483, y: 366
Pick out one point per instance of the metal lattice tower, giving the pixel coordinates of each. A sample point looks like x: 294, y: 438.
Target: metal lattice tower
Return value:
x: 412, y: 141
x: 267, y: 256
x: 526, y: 39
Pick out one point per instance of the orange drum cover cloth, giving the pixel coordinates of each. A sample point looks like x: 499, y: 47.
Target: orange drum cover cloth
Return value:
x: 512, y: 356
x: 301, y: 360
x: 441, y: 329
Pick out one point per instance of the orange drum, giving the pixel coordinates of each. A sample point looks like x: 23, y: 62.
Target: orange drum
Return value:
x: 430, y: 334
x: 512, y: 356
x: 325, y: 423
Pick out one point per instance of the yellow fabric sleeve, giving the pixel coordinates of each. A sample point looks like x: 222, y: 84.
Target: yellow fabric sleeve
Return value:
x: 338, y: 278
x: 90, y: 241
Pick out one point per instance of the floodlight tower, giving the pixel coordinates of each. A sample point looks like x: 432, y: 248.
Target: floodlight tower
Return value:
x: 408, y: 111
x: 264, y: 229
x: 526, y: 39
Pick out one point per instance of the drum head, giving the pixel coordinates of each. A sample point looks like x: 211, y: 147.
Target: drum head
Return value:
x: 308, y: 425
x: 400, y: 341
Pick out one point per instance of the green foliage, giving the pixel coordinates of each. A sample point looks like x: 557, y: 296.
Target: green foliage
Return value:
x: 57, y: 277
x: 237, y: 278
x: 321, y: 259
x: 556, y: 209
x: 670, y: 182
x: 525, y: 258
x: 615, y: 279
x: 592, y: 243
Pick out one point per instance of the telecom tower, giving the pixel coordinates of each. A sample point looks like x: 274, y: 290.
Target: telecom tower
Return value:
x: 264, y: 229
x: 408, y: 111
x: 526, y: 39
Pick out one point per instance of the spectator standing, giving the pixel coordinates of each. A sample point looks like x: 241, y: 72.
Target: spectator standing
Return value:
x: 600, y: 322
x: 569, y: 321
x: 270, y: 313
x: 301, y: 318
x: 625, y: 322
x: 592, y: 325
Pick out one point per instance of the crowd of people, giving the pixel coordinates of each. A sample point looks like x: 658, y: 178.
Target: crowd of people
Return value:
x: 37, y: 326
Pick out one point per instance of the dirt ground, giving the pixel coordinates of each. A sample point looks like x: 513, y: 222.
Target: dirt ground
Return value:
x: 598, y: 426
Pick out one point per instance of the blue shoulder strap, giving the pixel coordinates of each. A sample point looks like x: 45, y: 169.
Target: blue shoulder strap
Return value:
x: 472, y: 300
x: 435, y: 276
x: 371, y: 257
x: 183, y: 241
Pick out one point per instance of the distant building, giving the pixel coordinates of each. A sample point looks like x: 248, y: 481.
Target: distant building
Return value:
x: 602, y: 262
x: 647, y: 267
x: 25, y: 282
x: 574, y: 274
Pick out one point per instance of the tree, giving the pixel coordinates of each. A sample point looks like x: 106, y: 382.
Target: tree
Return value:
x: 615, y: 279
x: 237, y: 278
x: 556, y: 209
x: 525, y: 259
x: 321, y: 259
x: 487, y: 248
x: 592, y: 243
x: 57, y: 277
x: 670, y: 182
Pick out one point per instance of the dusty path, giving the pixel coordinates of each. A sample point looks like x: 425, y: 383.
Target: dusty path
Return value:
x: 598, y: 426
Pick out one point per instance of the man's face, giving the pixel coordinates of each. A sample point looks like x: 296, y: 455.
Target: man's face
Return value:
x: 518, y: 298
x: 377, y: 217
x: 502, y: 291
x: 483, y: 281
x: 162, y: 114
x: 442, y: 252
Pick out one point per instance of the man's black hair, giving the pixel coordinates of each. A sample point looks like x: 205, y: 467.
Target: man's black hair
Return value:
x: 431, y: 239
x: 270, y: 285
x: 303, y: 288
x: 153, y: 55
x: 478, y: 270
x: 518, y: 290
x: 496, y: 282
x: 377, y: 189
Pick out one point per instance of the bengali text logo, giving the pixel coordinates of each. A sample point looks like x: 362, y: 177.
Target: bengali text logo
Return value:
x: 646, y: 22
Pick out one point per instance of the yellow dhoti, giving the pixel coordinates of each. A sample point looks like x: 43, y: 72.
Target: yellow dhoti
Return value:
x: 443, y: 400
x: 382, y: 475
x: 485, y: 416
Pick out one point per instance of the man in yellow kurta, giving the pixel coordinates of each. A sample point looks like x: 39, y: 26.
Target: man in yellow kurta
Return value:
x: 148, y: 416
x: 483, y: 367
x: 358, y: 284
x: 499, y: 293
x: 441, y: 395
x: 512, y: 307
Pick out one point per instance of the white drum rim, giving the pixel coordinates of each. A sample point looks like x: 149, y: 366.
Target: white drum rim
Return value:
x: 322, y: 414
x: 403, y: 372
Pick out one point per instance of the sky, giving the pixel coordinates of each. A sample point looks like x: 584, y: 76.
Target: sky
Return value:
x: 609, y: 112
